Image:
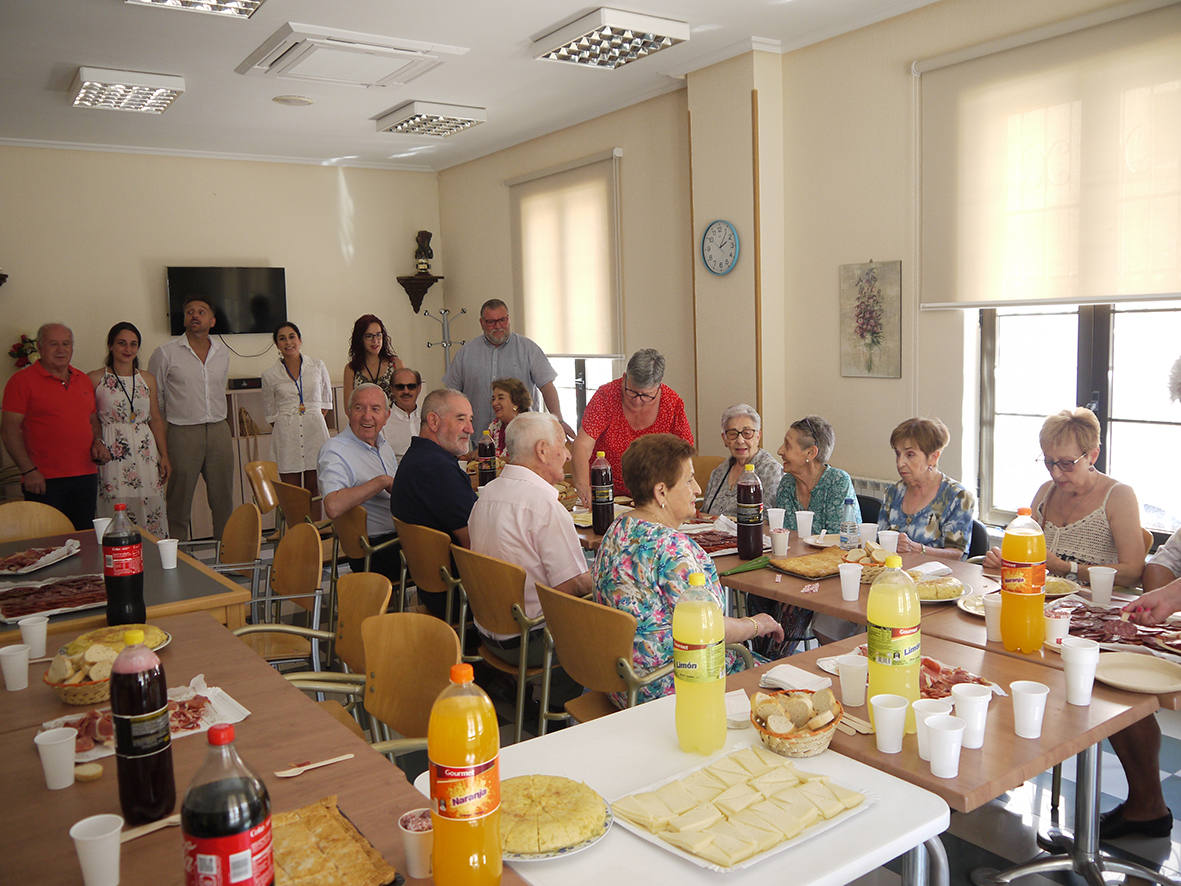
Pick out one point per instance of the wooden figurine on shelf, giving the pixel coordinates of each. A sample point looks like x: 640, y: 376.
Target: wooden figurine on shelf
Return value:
x: 423, y: 254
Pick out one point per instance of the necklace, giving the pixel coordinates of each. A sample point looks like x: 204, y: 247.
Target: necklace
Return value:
x: 365, y: 368
x: 298, y: 381
x: 130, y: 397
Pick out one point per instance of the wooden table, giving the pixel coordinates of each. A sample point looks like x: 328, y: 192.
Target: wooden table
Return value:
x: 284, y: 727
x: 191, y: 587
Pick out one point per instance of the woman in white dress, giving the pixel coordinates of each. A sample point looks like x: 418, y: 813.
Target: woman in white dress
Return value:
x: 296, y: 395
x: 134, y: 432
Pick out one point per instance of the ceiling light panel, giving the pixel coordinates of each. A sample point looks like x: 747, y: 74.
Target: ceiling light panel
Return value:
x: 107, y: 90
x: 609, y: 38
x: 432, y: 119
x: 236, y: 9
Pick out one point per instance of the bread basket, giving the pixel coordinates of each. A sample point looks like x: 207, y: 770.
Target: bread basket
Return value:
x: 802, y: 742
x: 84, y: 693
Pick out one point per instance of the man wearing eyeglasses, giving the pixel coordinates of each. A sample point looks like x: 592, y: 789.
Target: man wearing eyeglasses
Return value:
x: 405, y: 413
x: 501, y: 353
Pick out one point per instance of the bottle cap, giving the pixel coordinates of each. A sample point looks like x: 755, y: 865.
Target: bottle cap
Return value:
x: 120, y: 507
x: 461, y: 673
x: 221, y: 733
x: 133, y: 637
x: 487, y: 433
x: 696, y: 579
x: 600, y: 454
x: 893, y: 561
x: 1024, y: 512
x: 749, y: 468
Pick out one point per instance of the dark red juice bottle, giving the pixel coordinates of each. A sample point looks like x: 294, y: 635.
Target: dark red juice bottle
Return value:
x: 123, y: 571
x: 602, y: 494
x: 486, y: 456
x: 143, y: 743
x: 226, y: 820
x: 750, y: 514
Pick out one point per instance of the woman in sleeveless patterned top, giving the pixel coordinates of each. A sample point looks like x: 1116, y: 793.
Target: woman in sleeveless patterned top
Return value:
x: 371, y: 358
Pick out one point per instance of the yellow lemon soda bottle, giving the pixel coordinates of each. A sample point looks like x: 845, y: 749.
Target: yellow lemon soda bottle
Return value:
x: 895, y: 640
x: 699, y: 669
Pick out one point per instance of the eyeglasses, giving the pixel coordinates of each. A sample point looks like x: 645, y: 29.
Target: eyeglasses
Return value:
x: 745, y: 433
x: 408, y: 386
x: 639, y: 395
x: 495, y: 321
x: 1066, y: 465
x: 372, y: 336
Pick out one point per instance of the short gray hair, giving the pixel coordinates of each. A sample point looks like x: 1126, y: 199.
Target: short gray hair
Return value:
x: 815, y: 431
x: 645, y: 369
x: 527, y: 430
x: 738, y: 409
x: 364, y: 386
x: 438, y: 401
x: 44, y: 326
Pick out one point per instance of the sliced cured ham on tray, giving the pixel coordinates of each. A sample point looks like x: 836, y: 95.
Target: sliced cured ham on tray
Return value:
x: 1112, y: 631
x: 32, y: 559
x: 50, y: 596
x: 935, y: 677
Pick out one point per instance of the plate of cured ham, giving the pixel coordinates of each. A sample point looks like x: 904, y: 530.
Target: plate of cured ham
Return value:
x: 935, y: 677
x: 51, y: 596
x: 32, y: 559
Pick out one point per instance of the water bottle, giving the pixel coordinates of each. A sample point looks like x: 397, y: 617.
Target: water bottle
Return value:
x: 850, y: 528
x: 750, y: 514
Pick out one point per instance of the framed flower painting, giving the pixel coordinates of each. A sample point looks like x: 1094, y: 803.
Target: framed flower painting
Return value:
x: 871, y: 320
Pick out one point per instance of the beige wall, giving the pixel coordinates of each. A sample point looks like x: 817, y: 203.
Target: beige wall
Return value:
x: 86, y: 236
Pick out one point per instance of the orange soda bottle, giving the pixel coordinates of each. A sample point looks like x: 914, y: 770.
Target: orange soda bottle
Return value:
x: 1023, y: 583
x: 463, y: 748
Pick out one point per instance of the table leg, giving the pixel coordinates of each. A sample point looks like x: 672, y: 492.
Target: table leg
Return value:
x: 915, y: 870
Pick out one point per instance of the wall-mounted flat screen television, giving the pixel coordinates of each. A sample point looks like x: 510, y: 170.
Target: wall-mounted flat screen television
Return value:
x: 243, y: 299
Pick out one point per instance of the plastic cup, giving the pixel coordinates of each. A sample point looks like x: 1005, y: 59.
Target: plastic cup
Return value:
x: 853, y: 670
x: 992, y: 616
x: 167, y: 549
x: 1080, y: 657
x: 869, y: 532
x: 888, y: 539
x: 945, y: 735
x: 33, y: 630
x: 780, y: 539
x: 1029, y: 706
x: 1102, y: 580
x: 96, y: 840
x: 971, y: 706
x: 56, y: 749
x: 804, y: 523
x: 14, y: 660
x: 417, y: 841
x: 100, y: 527
x: 889, y: 721
x: 775, y: 518
x: 923, y: 709
x: 1057, y: 627
x: 850, y: 581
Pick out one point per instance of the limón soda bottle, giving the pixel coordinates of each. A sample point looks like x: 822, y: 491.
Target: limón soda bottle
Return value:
x: 463, y: 747
x: 699, y: 669
x: 1023, y: 584
x: 895, y: 640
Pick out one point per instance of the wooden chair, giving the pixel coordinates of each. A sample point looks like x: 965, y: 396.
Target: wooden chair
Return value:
x: 351, y: 540
x: 1148, y: 541
x: 31, y: 519
x: 295, y: 504
x: 703, y: 466
x: 262, y: 475
x: 238, y: 551
x: 495, y: 591
x: 426, y: 558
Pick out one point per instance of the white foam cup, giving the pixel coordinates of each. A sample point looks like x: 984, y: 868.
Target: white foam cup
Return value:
x: 923, y: 709
x: 33, y: 630
x: 14, y: 661
x: 56, y: 749
x: 869, y: 532
x: 971, y: 706
x: 804, y: 523
x: 853, y: 670
x: 888, y: 539
x: 418, y: 844
x: 96, y: 840
x: 167, y: 549
x: 780, y: 539
x: 1080, y: 657
x: 1102, y: 580
x: 775, y: 518
x: 1057, y: 627
x: 100, y: 527
x: 992, y: 616
x: 889, y: 721
x: 945, y: 735
x: 850, y: 581
x: 1029, y: 707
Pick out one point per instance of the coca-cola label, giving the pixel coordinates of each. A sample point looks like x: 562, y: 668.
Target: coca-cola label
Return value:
x: 141, y: 735
x: 246, y: 858
x: 123, y: 560
x: 465, y: 793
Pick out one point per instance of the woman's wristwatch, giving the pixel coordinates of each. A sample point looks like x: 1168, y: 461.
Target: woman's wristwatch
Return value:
x: 1072, y: 568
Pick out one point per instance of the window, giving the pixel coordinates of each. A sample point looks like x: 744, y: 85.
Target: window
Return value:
x: 1116, y: 360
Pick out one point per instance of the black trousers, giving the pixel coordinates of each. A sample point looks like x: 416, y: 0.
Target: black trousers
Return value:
x: 76, y: 497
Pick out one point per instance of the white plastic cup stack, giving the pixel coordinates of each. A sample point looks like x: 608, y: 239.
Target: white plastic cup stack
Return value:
x: 971, y: 706
x: 1102, y: 580
x: 945, y: 735
x: 167, y: 548
x: 888, y: 539
x: 418, y: 843
x: 96, y: 840
x: 780, y: 539
x: 889, y: 721
x: 853, y: 670
x: 56, y: 749
x: 100, y: 528
x: 1080, y: 657
x: 925, y: 708
x: 1029, y: 707
x: 992, y: 616
x: 804, y: 523
x: 775, y: 517
x: 850, y: 581
x: 33, y: 630
x: 14, y: 661
x: 869, y: 532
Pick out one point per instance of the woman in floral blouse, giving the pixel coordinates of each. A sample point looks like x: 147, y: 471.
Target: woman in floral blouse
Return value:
x: 644, y: 563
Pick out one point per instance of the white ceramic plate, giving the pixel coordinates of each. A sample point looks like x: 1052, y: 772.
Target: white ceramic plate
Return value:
x: 1136, y: 672
x: 827, y: 540
x: 567, y: 851
x: 973, y: 604
x: 964, y: 592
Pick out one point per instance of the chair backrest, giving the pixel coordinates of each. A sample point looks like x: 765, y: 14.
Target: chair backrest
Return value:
x: 425, y: 550
x: 294, y: 501
x: 703, y: 466
x: 1148, y: 540
x: 296, y: 571
x: 978, y: 546
x: 492, y: 587
x: 350, y: 529
x: 31, y: 519
x: 241, y: 540
x: 262, y: 476
x: 589, y: 638
x: 359, y: 595
x: 870, y: 506
x: 408, y: 659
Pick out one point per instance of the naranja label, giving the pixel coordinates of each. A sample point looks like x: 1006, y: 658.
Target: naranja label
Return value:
x: 699, y: 662
x: 1023, y: 578
x: 465, y: 793
x: 893, y: 646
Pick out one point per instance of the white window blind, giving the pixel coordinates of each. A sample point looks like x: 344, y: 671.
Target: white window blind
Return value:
x: 565, y: 231
x: 1051, y: 172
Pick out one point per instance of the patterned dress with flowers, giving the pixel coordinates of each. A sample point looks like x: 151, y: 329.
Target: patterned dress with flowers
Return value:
x: 643, y: 568
x: 132, y: 475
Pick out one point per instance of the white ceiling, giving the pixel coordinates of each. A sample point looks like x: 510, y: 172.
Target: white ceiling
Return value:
x: 223, y: 113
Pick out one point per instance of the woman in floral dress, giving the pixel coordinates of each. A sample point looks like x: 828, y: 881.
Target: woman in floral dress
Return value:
x: 644, y: 563
x: 134, y: 432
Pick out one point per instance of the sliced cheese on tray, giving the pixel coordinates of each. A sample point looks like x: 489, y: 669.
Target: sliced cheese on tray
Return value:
x: 825, y: 800
x: 696, y: 819
x: 675, y: 796
x: 773, y: 780
x: 751, y: 761
x: 735, y: 799
x: 727, y: 777
x: 798, y: 806
x: 777, y: 817
x: 647, y: 810
x: 691, y: 841
x: 850, y: 799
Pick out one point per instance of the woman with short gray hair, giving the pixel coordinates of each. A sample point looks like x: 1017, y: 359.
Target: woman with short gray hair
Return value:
x: 742, y: 435
x: 622, y: 410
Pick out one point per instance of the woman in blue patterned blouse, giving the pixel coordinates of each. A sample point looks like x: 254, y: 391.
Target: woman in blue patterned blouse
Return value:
x: 931, y: 512
x: 809, y: 483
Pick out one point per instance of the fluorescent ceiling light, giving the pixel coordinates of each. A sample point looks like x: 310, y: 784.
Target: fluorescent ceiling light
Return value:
x: 125, y: 90
x: 430, y: 118
x: 609, y: 38
x: 236, y: 9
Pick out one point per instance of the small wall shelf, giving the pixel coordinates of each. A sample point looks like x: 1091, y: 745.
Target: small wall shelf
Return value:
x: 416, y: 286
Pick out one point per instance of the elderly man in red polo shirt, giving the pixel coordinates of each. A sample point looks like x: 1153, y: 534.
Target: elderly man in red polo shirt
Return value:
x: 50, y: 429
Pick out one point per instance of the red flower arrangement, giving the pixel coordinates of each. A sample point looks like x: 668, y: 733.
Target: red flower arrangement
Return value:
x: 23, y: 351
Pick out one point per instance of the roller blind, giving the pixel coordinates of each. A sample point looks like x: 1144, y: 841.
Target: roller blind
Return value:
x: 1052, y: 172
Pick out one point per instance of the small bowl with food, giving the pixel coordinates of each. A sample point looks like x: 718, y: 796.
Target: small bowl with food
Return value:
x: 796, y: 722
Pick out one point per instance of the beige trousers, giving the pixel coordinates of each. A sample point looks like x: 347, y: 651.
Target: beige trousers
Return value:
x: 200, y: 451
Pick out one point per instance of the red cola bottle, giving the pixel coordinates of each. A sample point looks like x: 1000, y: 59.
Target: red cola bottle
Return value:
x: 750, y: 514
x: 486, y: 458
x: 123, y: 570
x: 143, y: 742
x: 602, y: 494
x: 225, y: 819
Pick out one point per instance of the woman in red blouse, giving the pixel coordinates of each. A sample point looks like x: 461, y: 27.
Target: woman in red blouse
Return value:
x: 622, y: 410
